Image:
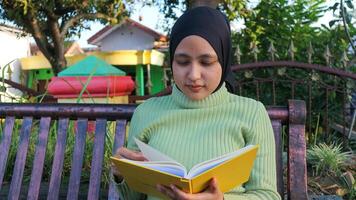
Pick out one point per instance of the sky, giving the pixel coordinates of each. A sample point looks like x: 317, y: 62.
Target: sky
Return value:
x: 151, y: 17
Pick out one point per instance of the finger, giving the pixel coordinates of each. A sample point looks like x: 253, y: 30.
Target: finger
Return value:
x: 213, y: 187
x: 179, y: 194
x: 126, y: 153
x: 117, y: 152
x: 166, y: 191
x: 114, y: 170
x: 132, y: 155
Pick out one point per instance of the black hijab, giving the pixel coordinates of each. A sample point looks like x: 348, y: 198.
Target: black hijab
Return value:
x: 213, y: 26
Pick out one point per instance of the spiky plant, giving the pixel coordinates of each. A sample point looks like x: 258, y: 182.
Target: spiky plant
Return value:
x: 327, y: 159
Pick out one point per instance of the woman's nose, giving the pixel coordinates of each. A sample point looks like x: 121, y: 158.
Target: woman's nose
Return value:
x: 194, y: 72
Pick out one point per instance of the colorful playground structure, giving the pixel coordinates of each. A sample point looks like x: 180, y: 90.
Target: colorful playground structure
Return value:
x: 91, y: 80
x: 144, y: 66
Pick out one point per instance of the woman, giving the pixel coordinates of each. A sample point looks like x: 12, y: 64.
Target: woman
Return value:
x: 201, y: 119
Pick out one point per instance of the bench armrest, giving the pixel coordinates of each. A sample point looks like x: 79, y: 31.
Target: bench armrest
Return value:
x: 297, y: 169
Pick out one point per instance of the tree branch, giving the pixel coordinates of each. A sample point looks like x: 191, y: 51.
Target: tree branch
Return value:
x: 345, y: 26
x: 57, y: 38
x: 37, y: 34
x: 48, y: 50
x: 75, y: 19
x: 197, y: 3
x: 60, y: 10
x: 51, y: 14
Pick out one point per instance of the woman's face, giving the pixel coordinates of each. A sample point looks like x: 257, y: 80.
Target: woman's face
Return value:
x: 196, y: 68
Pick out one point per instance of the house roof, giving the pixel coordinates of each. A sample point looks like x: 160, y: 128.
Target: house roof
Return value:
x: 108, y: 29
x: 91, y: 66
x: 70, y: 48
x: 8, y: 28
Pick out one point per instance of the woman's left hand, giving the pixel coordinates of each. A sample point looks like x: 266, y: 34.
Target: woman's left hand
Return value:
x: 211, y: 192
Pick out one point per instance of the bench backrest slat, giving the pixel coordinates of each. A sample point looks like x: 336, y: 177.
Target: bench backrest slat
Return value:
x: 20, y: 162
x: 58, y: 159
x: 5, y: 142
x: 77, y: 159
x: 277, y: 130
x: 39, y: 158
x: 119, y: 140
x: 97, y: 159
x: 120, y: 134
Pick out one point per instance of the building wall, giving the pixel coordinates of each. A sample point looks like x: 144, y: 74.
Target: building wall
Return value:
x: 11, y: 49
x: 127, y: 38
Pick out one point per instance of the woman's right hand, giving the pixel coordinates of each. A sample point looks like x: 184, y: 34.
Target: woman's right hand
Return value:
x: 128, y: 154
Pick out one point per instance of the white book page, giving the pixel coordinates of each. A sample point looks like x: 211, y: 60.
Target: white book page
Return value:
x: 152, y: 154
x: 170, y: 169
x: 206, y: 165
x: 163, y: 166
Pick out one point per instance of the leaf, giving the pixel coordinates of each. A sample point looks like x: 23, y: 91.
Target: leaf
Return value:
x: 341, y: 192
x: 327, y: 28
x: 248, y: 74
x: 349, y: 4
x: 348, y: 179
x: 332, y: 22
x: 281, y: 71
x: 334, y: 7
x: 348, y: 18
x: 2, y: 89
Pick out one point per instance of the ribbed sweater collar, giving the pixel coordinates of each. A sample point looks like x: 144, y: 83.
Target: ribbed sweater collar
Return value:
x: 219, y: 97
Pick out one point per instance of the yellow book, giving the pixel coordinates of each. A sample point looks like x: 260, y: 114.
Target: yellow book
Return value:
x: 230, y: 170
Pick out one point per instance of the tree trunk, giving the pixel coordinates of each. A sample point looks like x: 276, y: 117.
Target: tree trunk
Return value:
x: 58, y: 64
x: 53, y: 52
x: 197, y: 3
x: 55, y: 56
x: 61, y: 60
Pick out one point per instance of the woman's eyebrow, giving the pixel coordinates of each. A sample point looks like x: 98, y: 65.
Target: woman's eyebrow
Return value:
x: 181, y: 55
x: 207, y: 56
x: 203, y: 56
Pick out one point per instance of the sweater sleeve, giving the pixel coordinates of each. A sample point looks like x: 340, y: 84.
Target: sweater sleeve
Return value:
x: 262, y: 184
x: 125, y: 192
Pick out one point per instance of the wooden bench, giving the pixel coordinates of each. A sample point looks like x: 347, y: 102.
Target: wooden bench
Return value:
x: 293, y: 116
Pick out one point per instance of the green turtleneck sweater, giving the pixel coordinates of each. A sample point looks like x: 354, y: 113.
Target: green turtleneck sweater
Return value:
x: 194, y: 131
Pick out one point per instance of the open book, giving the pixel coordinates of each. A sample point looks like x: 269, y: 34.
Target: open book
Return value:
x: 230, y: 170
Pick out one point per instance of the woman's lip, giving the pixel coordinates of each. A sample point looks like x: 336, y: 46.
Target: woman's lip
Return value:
x: 195, y: 88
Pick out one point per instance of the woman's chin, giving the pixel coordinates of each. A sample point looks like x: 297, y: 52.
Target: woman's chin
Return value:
x: 195, y: 93
x: 196, y: 96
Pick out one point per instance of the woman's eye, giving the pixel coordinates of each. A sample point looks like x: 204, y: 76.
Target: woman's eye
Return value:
x: 207, y: 62
x: 184, y: 63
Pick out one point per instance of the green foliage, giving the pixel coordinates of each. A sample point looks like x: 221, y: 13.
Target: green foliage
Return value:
x: 61, y: 11
x: 348, y: 182
x: 280, y: 22
x: 171, y: 9
x: 345, y: 17
x: 327, y: 159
